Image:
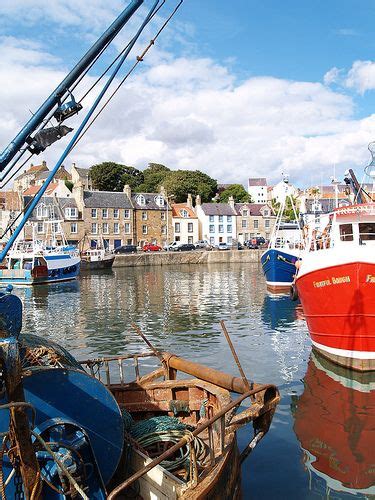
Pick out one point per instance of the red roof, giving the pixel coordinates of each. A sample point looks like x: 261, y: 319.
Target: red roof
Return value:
x: 32, y: 190
x: 177, y: 207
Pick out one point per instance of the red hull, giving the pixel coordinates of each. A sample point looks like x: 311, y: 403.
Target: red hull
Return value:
x: 339, y: 306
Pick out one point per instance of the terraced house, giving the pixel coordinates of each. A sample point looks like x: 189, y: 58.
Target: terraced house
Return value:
x: 254, y: 219
x: 108, y: 216
x: 152, y: 217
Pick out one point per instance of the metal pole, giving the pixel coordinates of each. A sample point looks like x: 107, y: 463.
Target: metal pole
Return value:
x: 52, y: 174
x: 11, y: 150
x: 245, y: 381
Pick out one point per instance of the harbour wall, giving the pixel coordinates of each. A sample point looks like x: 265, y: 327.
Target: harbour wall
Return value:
x: 195, y: 257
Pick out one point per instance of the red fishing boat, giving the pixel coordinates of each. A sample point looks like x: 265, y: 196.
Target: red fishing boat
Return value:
x: 334, y: 424
x: 336, y: 286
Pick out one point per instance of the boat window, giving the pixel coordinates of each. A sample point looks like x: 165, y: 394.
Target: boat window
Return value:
x: 367, y: 230
x: 346, y: 232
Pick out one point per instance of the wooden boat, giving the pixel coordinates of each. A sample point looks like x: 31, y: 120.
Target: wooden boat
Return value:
x: 205, y: 404
x: 94, y: 259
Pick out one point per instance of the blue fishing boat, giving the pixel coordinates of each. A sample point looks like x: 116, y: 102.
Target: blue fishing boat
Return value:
x: 284, y: 249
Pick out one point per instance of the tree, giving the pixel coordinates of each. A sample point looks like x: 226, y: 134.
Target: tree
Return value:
x: 110, y: 176
x: 69, y: 184
x: 237, y: 191
x: 182, y: 182
x: 288, y: 209
x: 153, y: 178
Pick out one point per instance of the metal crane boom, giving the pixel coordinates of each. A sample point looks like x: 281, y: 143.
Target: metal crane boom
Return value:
x: 55, y: 98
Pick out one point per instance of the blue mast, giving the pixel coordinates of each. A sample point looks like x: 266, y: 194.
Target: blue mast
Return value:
x: 55, y: 98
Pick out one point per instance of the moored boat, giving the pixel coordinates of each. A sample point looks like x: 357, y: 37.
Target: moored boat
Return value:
x: 334, y: 424
x: 335, y: 284
x: 284, y: 248
x: 94, y: 259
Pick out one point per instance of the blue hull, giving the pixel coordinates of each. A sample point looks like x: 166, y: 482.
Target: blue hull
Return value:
x: 25, y: 277
x: 278, y: 268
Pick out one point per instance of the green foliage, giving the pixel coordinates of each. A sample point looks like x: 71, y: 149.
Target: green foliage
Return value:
x: 237, y: 191
x: 110, y: 176
x: 153, y: 178
x: 288, y: 210
x: 69, y: 184
x: 182, y: 182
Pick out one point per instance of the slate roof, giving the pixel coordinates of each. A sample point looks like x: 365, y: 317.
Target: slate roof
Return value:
x: 82, y: 172
x: 254, y: 208
x: 217, y: 209
x: 257, y: 181
x: 106, y: 199
x: 59, y: 204
x: 150, y: 201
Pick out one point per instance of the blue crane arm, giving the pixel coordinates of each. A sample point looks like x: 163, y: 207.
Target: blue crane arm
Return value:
x: 55, y: 98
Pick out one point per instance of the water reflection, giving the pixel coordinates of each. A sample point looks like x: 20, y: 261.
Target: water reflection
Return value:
x: 334, y: 423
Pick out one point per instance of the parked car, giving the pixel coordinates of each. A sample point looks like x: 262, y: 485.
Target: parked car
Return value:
x: 151, y: 247
x: 240, y: 246
x: 126, y: 249
x: 204, y: 244
x: 185, y: 247
x: 223, y: 246
x: 172, y: 246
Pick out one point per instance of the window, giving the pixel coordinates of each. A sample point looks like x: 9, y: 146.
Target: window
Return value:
x: 256, y: 223
x: 94, y: 213
x: 229, y: 218
x: 190, y: 227
x: 73, y: 228
x: 267, y: 223
x: 229, y: 240
x: 212, y: 240
x: 244, y: 213
x: 266, y: 213
x: 267, y: 236
x: 221, y: 218
x: 144, y: 229
x: 163, y: 229
x: 105, y: 213
x: 40, y: 227
x: 162, y: 215
x: 94, y: 228
x: 229, y: 228
x: 159, y: 200
x: 244, y: 223
x: 116, y: 213
x: 116, y: 228
x: 184, y: 213
x: 366, y: 231
x: 346, y: 232
x: 211, y: 218
x: 127, y: 228
x: 105, y: 228
x: 127, y: 213
x: 144, y: 215
x: 177, y: 227
x: 190, y: 240
x: 141, y: 200
x: 221, y: 228
x: 212, y: 228
x: 71, y: 213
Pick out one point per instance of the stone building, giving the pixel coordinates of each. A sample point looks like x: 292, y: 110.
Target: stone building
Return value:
x: 10, y: 208
x: 152, y: 217
x: 36, y: 175
x: 185, y: 222
x: 81, y: 176
x: 107, y: 215
x: 254, y: 219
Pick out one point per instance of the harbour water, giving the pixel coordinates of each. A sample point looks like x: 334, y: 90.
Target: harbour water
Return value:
x: 322, y: 437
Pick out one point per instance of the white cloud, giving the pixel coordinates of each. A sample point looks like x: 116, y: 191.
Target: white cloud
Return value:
x: 361, y: 76
x: 191, y: 113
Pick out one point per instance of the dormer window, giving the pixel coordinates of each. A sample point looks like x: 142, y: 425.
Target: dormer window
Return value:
x: 184, y: 213
x: 71, y: 213
x: 244, y: 213
x: 141, y: 200
x: 159, y: 200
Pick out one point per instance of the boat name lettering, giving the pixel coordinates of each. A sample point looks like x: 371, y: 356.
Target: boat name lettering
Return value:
x: 370, y: 278
x: 333, y: 281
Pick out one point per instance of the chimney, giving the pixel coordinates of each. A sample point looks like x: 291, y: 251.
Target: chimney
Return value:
x: 44, y: 163
x: 73, y: 165
x: 231, y: 202
x: 189, y: 201
x: 78, y: 190
x: 198, y: 200
x: 127, y: 190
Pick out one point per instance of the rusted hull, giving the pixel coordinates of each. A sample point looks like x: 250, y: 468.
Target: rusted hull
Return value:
x: 87, y: 265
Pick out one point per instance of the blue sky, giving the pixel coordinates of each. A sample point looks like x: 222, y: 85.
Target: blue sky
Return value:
x: 252, y: 89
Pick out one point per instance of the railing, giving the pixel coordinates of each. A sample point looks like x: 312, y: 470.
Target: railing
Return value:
x: 103, y: 368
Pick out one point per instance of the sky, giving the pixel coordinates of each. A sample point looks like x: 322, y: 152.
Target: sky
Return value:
x: 235, y: 89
